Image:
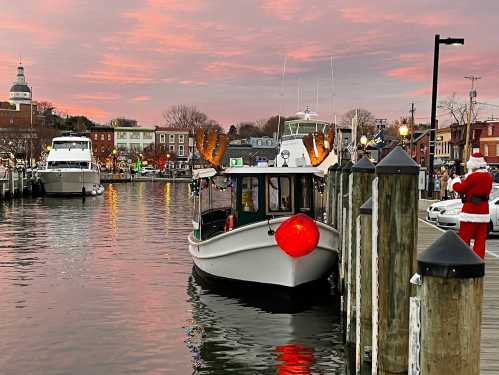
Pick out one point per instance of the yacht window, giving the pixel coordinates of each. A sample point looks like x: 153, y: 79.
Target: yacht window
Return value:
x: 59, y: 145
x: 249, y: 197
x: 306, y: 193
x: 279, y: 194
x: 68, y: 164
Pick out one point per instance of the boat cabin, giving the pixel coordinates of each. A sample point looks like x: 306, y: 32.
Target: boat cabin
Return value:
x: 259, y: 194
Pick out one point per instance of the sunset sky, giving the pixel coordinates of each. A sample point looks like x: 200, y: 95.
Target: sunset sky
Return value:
x: 135, y: 58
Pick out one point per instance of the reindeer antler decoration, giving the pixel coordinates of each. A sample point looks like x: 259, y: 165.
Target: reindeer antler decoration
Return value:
x: 211, y: 146
x: 318, y: 146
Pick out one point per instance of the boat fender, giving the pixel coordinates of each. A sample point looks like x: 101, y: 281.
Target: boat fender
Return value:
x: 94, y: 192
x: 230, y: 223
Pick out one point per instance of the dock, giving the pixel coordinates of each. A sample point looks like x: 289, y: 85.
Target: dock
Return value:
x: 489, y: 358
x: 13, y: 183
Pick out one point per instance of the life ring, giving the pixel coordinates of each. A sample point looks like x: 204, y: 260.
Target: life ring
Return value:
x: 230, y: 223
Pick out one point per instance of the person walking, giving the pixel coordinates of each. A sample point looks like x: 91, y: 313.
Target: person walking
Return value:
x: 444, y: 179
x: 475, y: 189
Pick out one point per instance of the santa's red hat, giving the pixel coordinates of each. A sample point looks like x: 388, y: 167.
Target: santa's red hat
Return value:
x: 477, y: 161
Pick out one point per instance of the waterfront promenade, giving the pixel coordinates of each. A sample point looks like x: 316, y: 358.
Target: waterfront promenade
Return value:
x: 489, y: 358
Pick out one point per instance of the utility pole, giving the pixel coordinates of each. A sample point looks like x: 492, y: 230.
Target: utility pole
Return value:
x: 411, y: 127
x: 467, y: 152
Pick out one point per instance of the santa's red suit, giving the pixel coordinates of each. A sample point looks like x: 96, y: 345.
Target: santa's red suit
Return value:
x: 475, y: 218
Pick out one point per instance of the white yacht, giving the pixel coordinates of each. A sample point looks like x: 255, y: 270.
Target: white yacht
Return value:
x: 70, y: 168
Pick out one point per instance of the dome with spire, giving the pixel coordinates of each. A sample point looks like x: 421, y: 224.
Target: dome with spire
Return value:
x: 20, y: 92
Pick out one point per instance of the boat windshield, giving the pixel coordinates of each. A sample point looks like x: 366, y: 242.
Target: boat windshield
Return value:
x: 297, y: 129
x: 68, y: 145
x: 67, y: 164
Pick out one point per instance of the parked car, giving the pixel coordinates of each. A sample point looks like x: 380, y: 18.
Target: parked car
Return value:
x: 448, y: 218
x: 148, y: 171
x: 433, y: 211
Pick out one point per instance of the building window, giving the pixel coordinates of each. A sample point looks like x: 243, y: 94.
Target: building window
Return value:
x: 497, y: 149
x: 180, y: 150
x: 122, y: 135
x: 135, y: 135
x: 102, y: 149
x: 490, y: 130
x: 109, y: 137
x: 135, y: 146
x: 259, y: 142
x: 96, y: 136
x: 485, y: 150
x: 181, y: 138
x: 162, y: 138
x: 172, y: 148
x: 171, y: 138
x: 147, y: 135
x: 102, y: 137
x: 121, y: 146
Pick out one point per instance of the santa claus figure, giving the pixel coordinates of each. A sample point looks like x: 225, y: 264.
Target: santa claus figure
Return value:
x: 474, y: 190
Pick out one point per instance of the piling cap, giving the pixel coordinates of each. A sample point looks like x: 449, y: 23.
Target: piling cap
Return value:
x: 347, y: 167
x: 363, y: 165
x: 367, y: 207
x: 334, y: 167
x: 397, y: 162
x: 450, y: 258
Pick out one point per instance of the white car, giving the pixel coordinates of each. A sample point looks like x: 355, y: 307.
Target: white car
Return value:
x: 448, y: 218
x: 433, y: 211
x: 148, y: 171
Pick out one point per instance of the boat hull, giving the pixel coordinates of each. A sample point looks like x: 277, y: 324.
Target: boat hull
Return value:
x: 69, y: 182
x: 250, y: 254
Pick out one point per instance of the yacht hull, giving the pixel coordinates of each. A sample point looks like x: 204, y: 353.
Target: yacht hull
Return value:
x: 69, y: 182
x: 250, y: 254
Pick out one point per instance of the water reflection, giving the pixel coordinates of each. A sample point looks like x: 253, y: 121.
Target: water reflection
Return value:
x: 104, y: 286
x: 243, y: 335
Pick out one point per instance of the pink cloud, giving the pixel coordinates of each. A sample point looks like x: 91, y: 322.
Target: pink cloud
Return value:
x: 93, y: 112
x: 292, y: 10
x: 143, y: 98
x: 377, y: 15
x: 99, y: 96
x: 308, y: 52
x: 122, y: 70
x: 189, y: 82
x: 418, y: 72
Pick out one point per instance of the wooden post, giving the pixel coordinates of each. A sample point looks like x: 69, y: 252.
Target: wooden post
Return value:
x: 395, y: 209
x: 360, y: 181
x: 20, y: 184
x: 11, y: 183
x: 337, y: 184
x: 343, y: 203
x: 363, y: 347
x: 450, y: 295
x: 332, y: 195
x: 2, y: 189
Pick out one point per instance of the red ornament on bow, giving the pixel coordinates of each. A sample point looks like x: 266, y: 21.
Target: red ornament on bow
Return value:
x: 298, y: 235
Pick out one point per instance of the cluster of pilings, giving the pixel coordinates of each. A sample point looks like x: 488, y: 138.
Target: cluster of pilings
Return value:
x: 402, y: 314
x: 14, y: 184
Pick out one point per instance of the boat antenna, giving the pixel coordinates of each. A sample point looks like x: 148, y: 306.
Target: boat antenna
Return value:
x: 317, y: 96
x: 281, y: 94
x: 332, y: 91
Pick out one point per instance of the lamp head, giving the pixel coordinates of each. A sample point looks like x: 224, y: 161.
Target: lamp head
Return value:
x: 404, y: 131
x: 363, y: 140
x: 452, y: 41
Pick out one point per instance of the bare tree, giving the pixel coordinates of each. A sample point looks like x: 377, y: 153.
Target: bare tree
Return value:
x: 457, y: 109
x: 186, y: 117
x: 366, y: 121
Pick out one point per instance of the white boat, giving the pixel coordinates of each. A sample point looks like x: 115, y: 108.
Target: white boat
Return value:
x: 70, y: 168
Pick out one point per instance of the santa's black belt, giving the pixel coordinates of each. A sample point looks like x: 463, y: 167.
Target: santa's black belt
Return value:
x: 476, y: 199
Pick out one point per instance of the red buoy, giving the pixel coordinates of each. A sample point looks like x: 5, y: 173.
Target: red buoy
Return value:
x: 298, y: 235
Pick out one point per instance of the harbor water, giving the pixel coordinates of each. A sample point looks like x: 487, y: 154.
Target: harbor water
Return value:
x: 105, y: 285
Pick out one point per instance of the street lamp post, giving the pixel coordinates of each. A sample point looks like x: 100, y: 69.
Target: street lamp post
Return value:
x: 433, y: 126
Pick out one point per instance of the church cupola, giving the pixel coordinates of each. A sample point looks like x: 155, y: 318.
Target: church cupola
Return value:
x: 20, y: 91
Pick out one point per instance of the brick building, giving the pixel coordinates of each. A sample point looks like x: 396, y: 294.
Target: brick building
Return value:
x: 102, y: 142
x: 174, y: 142
x: 489, y: 142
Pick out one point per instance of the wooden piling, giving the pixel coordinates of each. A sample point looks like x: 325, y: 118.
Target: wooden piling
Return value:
x: 360, y: 182
x: 343, y: 206
x: 450, y: 299
x: 332, y: 195
x: 363, y: 344
x: 12, y: 186
x: 395, y: 209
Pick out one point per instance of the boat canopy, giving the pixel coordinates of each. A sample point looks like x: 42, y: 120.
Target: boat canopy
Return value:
x: 274, y: 170
x: 203, y: 173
